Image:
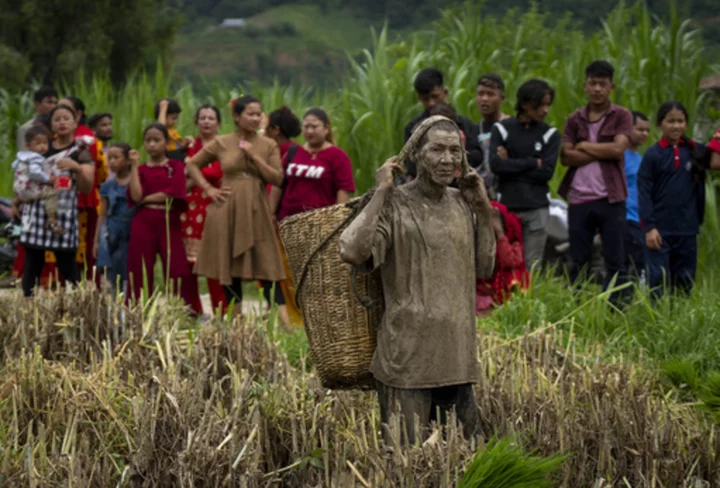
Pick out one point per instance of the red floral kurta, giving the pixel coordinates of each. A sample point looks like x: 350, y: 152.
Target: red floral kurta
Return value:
x: 193, y: 221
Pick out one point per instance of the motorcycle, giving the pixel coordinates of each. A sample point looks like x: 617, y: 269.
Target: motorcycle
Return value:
x: 9, y: 237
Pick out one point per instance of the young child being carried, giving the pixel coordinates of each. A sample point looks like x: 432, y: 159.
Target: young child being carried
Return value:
x: 32, y: 181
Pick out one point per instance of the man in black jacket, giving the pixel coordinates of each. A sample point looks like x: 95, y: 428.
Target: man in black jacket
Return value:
x: 430, y: 88
x: 523, y: 155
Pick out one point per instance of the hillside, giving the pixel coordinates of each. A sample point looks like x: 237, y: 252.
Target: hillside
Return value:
x: 308, y: 43
x: 293, y: 43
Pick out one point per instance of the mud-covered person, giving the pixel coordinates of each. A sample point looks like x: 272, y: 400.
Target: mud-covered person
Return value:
x: 430, y: 242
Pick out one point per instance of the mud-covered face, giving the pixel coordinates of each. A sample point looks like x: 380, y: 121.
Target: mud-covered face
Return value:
x: 440, y: 158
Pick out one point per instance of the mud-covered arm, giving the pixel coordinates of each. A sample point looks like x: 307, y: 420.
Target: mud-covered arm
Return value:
x: 368, y: 236
x: 485, y: 246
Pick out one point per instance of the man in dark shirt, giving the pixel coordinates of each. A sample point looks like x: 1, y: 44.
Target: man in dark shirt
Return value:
x: 489, y: 97
x: 430, y: 88
x: 45, y: 100
x: 523, y: 155
x: 593, y: 147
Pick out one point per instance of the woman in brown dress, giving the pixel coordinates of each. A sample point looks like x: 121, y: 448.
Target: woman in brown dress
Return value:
x: 239, y: 241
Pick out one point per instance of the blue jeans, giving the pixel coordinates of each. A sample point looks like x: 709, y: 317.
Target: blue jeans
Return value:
x: 673, y: 266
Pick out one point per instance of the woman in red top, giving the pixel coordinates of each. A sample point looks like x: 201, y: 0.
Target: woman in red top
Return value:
x: 207, y: 120
x: 155, y: 228
x: 320, y: 173
x: 88, y: 205
x: 510, y: 269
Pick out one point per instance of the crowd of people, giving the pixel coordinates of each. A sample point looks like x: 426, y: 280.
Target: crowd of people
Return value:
x: 208, y: 204
x: 205, y: 205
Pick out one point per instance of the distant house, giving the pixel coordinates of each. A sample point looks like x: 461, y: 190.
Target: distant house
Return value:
x: 233, y: 23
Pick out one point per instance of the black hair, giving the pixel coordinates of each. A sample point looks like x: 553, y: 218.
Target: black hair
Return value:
x: 444, y: 109
x: 62, y: 106
x: 96, y: 118
x: 123, y: 146
x: 325, y: 119
x: 285, y: 120
x: 158, y: 126
x: 427, y: 80
x: 35, y: 131
x: 638, y: 116
x: 172, y: 108
x: 665, y: 109
x: 43, y: 120
x: 534, y: 93
x: 206, y: 106
x: 79, y: 107
x: 44, y: 92
x: 492, y: 80
x: 600, y: 69
x: 240, y: 104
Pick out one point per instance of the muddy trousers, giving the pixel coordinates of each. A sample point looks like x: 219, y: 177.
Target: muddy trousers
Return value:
x: 426, y: 404
x: 152, y: 236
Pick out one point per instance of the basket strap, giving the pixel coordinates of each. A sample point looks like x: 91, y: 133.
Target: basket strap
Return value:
x: 357, y: 207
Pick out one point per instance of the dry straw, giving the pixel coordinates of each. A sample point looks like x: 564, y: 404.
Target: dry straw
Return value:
x: 160, y: 402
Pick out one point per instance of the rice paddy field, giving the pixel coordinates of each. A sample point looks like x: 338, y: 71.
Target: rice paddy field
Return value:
x: 572, y: 392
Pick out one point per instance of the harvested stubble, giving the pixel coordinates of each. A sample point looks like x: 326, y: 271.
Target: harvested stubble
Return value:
x: 220, y: 406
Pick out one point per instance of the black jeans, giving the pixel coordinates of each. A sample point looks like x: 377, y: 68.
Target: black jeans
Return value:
x: 584, y: 220
x: 635, y: 250
x: 673, y: 266
x: 271, y: 291
x: 425, y: 403
x: 35, y: 261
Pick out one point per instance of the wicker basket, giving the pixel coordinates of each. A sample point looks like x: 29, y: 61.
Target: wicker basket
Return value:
x: 341, y: 309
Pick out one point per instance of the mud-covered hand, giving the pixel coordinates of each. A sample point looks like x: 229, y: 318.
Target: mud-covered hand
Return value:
x: 385, y: 174
x: 472, y: 189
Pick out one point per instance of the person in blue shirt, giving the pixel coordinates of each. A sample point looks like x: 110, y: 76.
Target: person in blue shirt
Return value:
x: 117, y: 216
x: 671, y: 187
x: 635, y: 249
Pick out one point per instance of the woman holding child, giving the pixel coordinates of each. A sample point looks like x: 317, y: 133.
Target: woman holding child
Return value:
x: 71, y: 165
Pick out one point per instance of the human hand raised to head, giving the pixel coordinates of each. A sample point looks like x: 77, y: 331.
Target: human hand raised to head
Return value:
x: 472, y: 189
x: 385, y: 174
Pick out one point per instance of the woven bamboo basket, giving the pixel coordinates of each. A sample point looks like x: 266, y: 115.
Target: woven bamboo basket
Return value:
x: 341, y: 309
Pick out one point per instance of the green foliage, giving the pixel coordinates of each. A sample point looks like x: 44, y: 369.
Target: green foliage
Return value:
x: 14, y: 68
x: 63, y: 38
x: 504, y: 464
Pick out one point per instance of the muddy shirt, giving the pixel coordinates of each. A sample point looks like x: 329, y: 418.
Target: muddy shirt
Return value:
x: 428, y: 253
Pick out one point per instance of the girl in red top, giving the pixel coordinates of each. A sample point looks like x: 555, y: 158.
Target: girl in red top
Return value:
x: 207, y: 120
x: 158, y: 188
x: 510, y: 269
x: 320, y: 173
